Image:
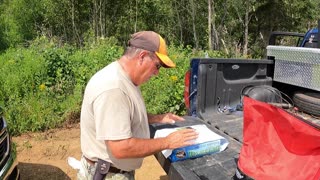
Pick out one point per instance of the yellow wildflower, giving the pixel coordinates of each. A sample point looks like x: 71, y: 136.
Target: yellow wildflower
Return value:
x: 42, y: 87
x: 174, y: 78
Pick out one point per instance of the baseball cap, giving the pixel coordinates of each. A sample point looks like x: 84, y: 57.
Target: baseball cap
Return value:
x: 152, y: 41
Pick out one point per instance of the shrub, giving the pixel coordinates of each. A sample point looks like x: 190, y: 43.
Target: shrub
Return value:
x: 42, y: 86
x: 164, y: 93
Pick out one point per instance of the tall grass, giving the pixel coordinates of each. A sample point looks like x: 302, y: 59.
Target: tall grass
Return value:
x: 41, y: 86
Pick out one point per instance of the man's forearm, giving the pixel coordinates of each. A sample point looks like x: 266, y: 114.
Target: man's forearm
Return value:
x: 136, y: 148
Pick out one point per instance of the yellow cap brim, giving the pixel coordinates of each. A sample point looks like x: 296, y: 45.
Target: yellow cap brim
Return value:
x: 166, y: 60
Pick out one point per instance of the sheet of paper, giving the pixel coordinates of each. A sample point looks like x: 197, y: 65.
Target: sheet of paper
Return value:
x: 205, y: 135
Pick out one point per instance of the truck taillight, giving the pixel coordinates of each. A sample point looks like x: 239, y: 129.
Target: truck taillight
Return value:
x: 187, y: 89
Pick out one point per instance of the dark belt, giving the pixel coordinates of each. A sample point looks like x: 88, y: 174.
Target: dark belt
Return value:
x: 112, y: 169
x: 115, y: 170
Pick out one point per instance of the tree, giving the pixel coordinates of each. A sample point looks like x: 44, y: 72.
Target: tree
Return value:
x: 237, y: 25
x: 212, y: 30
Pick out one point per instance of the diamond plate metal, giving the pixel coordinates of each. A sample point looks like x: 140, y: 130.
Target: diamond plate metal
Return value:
x: 296, y: 66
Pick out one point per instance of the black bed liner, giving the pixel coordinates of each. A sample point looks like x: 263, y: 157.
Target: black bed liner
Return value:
x: 216, y: 86
x: 220, y: 166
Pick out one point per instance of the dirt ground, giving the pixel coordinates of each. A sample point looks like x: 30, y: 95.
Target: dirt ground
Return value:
x: 44, y: 156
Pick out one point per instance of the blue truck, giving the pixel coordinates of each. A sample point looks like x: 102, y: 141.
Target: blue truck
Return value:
x: 213, y: 97
x: 309, y: 39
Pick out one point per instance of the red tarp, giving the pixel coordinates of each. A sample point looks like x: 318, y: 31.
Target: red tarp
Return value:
x: 277, y: 145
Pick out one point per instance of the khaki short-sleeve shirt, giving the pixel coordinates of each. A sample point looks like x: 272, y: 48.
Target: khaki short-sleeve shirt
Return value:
x: 112, y: 109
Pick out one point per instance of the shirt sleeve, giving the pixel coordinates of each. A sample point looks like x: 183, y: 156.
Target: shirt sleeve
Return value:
x: 112, y: 115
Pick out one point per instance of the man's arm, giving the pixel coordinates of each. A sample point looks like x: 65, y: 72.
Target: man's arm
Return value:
x: 136, y: 148
x: 164, y: 118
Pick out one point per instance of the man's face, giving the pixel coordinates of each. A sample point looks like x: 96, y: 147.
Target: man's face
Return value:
x: 150, y: 66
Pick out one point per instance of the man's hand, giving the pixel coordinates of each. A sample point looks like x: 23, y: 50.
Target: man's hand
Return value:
x: 181, y: 138
x: 167, y: 118
x: 170, y: 118
x: 137, y: 148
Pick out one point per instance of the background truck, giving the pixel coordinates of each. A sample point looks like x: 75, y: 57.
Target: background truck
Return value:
x: 8, y: 159
x: 213, y: 97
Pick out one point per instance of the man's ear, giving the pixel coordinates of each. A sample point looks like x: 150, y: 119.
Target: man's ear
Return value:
x: 142, y: 56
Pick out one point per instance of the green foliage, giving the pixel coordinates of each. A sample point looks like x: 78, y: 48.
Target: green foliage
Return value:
x: 50, y: 48
x: 18, y: 19
x: 93, y: 57
x: 165, y: 93
x: 59, y: 71
x: 180, y: 22
x: 41, y: 87
x: 21, y: 72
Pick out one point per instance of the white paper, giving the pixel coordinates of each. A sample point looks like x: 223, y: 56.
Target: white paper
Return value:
x: 205, y: 135
x: 76, y: 164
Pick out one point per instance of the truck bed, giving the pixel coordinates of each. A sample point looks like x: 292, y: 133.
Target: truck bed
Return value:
x: 220, y: 166
x: 216, y: 87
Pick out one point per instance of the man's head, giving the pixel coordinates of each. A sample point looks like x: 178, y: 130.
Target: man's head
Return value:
x: 153, y: 42
x: 145, y: 55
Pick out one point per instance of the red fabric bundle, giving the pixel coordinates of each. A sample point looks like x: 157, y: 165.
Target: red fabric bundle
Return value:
x: 278, y: 145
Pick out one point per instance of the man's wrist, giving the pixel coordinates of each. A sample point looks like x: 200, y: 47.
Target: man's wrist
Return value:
x: 151, y: 118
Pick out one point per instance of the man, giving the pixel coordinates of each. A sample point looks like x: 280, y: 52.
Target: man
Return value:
x: 114, y: 121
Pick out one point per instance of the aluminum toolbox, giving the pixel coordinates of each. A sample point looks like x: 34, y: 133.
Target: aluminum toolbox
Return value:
x: 296, y: 66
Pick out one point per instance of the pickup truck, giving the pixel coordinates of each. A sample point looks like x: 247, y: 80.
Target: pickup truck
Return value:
x: 8, y: 159
x: 213, y: 97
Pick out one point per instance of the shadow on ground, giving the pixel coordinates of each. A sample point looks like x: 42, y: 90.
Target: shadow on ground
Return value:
x: 41, y: 171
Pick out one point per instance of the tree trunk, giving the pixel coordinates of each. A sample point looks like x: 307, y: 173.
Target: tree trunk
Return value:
x: 215, y: 41
x: 102, y: 19
x: 95, y: 18
x: 209, y: 25
x: 213, y: 34
x: 75, y: 32
x: 176, y: 7
x: 136, y: 19
x: 246, y: 29
x: 193, y: 15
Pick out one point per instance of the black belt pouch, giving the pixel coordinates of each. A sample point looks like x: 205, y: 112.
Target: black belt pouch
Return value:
x: 102, y: 169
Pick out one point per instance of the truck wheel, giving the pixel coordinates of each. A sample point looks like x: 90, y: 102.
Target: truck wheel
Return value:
x: 308, y: 102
